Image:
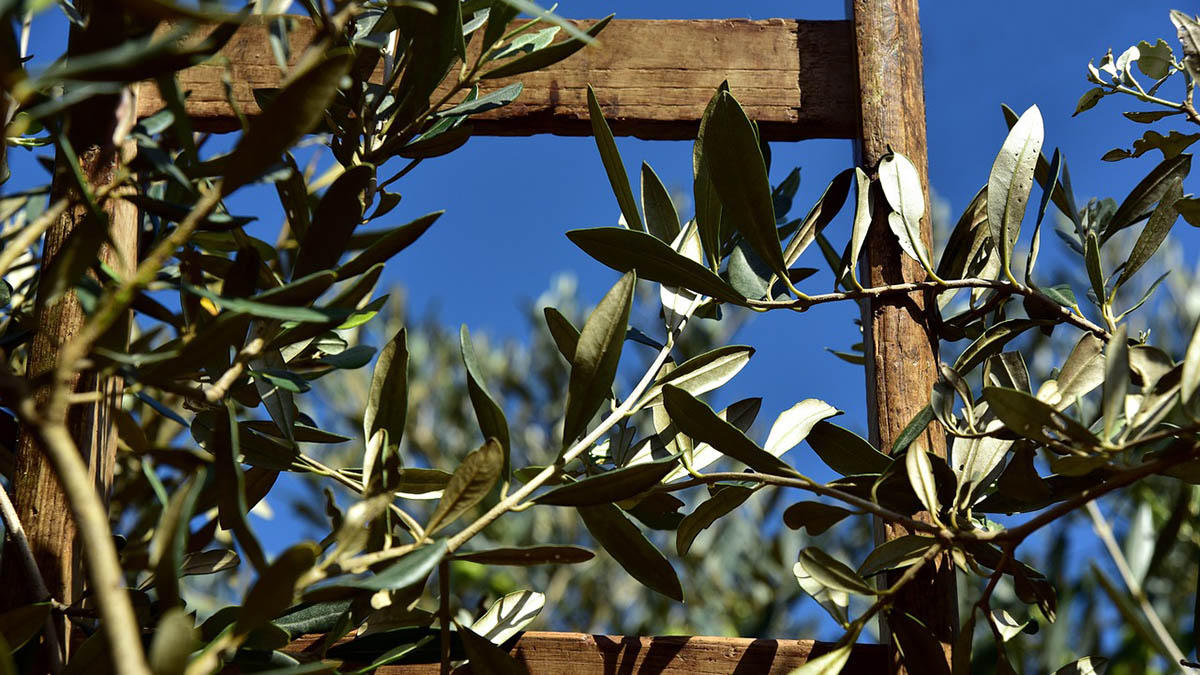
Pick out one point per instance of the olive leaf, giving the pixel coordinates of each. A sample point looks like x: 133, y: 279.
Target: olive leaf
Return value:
x: 594, y: 363
x: 1011, y: 181
x: 630, y: 548
x: 387, y: 408
x: 470, y: 483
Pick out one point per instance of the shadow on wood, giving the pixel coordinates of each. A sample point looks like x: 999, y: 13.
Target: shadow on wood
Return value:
x: 581, y: 654
x: 796, y: 79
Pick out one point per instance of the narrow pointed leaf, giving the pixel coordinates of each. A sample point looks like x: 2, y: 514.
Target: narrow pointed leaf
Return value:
x: 1011, y: 181
x: 630, y: 548
x: 694, y: 418
x: 653, y: 260
x: 470, y: 483
x: 509, y: 615
x: 1155, y: 232
x: 1116, y: 380
x: 845, y: 451
x: 299, y: 106
x: 489, y: 413
x: 814, y: 516
x: 793, y: 425
x: 701, y: 374
x: 550, y: 55
x: 864, y: 211
x: 662, y: 220
x: 992, y: 341
x: 486, y: 657
x: 338, y: 213
x: 920, y: 477
x: 274, y: 589
x: 596, y: 356
x: 901, y: 184
x: 531, y: 555
x: 387, y: 407
x: 1148, y: 191
x: 725, y: 500
x: 736, y: 167
x: 613, y: 164
x: 833, y: 573
x: 896, y: 553
x: 610, y: 486
x: 387, y: 246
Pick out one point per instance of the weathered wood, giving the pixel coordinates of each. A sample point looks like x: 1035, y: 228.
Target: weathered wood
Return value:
x: 652, y: 78
x: 901, y: 349
x: 41, y: 505
x: 582, y: 654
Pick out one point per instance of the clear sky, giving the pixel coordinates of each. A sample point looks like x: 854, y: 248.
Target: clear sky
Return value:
x: 504, y: 244
x: 509, y: 200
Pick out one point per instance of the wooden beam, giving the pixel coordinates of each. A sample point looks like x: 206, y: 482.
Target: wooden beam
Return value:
x: 652, y: 78
x: 901, y: 348
x: 582, y: 654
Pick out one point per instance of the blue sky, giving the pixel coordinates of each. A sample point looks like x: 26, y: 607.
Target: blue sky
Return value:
x: 510, y: 200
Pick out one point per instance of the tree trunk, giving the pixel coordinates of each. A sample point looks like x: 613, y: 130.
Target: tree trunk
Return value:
x: 901, y: 349
x: 40, y: 502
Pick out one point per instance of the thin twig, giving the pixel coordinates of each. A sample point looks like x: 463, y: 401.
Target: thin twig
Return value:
x: 1135, y: 589
x: 805, y: 302
x: 17, y: 534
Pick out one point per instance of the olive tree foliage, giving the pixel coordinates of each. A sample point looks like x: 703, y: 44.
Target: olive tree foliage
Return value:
x: 233, y: 332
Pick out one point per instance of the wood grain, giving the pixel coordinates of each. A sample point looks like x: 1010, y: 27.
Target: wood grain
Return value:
x: 582, y: 654
x: 652, y: 78
x: 42, y: 507
x: 901, y: 349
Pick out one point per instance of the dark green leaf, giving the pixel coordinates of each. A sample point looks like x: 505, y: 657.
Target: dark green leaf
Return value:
x: 531, y: 555
x: 1150, y: 190
x: 814, y: 516
x: 489, y: 413
x: 386, y: 246
x: 736, y: 167
x: 338, y: 213
x: 1030, y: 417
x: 470, y: 483
x: 722, y: 502
x: 272, y: 592
x: 694, y: 418
x: 170, y: 538
x: 314, y: 617
x: 708, y: 205
x: 490, y: 101
x: 1116, y: 380
x: 630, y: 548
x: 295, y: 111
x: 625, y: 250
x: 565, y: 335
x: 20, y: 624
x: 411, y: 569
x: 610, y: 486
x: 1154, y: 233
x: 662, y: 220
x: 486, y: 657
x: 613, y: 165
x: 546, y: 56
x: 700, y: 374
x: 993, y: 341
x: 596, y: 357
x: 896, y: 553
x: 845, y: 451
x: 387, y: 408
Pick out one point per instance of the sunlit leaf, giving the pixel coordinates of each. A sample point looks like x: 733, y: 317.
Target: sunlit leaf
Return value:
x: 901, y: 184
x: 700, y: 374
x: 610, y: 486
x: 387, y: 408
x: 490, y: 415
x: 694, y: 418
x: 1011, y: 181
x: 509, y: 615
x: 470, y: 483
